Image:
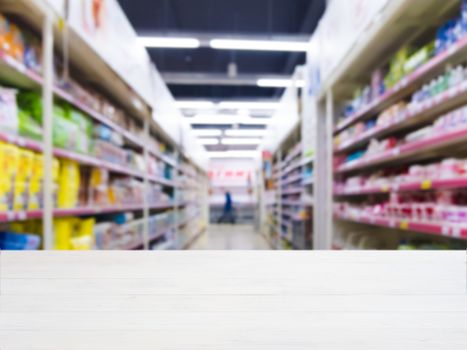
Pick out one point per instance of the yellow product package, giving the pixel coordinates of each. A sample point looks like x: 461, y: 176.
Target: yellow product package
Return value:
x: 9, y: 158
x: 64, y: 229
x: 83, y: 238
x: 35, y: 183
x: 35, y: 195
x: 68, y: 184
x: 23, y: 174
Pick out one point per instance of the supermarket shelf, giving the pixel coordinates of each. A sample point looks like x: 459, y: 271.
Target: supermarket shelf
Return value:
x: 292, y: 179
x: 15, y: 72
x: 429, y: 109
x: 408, y: 84
x: 293, y: 216
x: 434, y: 228
x: 296, y: 190
x: 187, y: 221
x: 428, y: 184
x: 307, y: 160
x: 21, y: 141
x: 11, y: 216
x: 20, y: 215
x: 294, y: 154
x: 164, y: 158
x: 152, y: 238
x: 98, y: 116
x: 194, y: 238
x: 413, y: 150
x: 292, y: 167
x: 81, y: 158
x: 292, y: 203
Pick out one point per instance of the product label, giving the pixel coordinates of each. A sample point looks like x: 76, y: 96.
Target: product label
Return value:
x: 426, y: 185
x: 404, y: 225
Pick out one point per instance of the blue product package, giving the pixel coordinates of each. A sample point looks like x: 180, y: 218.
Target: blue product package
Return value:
x: 102, y: 132
x: 445, y: 36
x: 19, y: 241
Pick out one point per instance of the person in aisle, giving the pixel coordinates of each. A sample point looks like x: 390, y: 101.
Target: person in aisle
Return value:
x: 228, y: 215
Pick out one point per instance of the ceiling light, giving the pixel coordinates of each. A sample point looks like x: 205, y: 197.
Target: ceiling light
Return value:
x: 248, y: 105
x: 168, y: 42
x: 197, y: 104
x: 246, y: 132
x: 226, y: 119
x: 259, y: 45
x: 256, y: 121
x: 216, y: 119
x: 234, y: 154
x: 208, y: 141
x: 206, y: 132
x: 237, y: 141
x: 279, y: 83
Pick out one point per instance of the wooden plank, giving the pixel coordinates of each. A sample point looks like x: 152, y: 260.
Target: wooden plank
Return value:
x: 234, y: 300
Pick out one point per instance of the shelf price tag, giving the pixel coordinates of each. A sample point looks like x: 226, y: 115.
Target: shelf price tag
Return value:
x: 404, y: 225
x: 426, y: 185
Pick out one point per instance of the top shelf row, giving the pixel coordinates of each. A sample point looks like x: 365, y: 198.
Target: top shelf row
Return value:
x: 407, y: 85
x: 20, y: 68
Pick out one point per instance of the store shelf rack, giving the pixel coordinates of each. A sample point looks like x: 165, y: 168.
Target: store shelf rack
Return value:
x: 86, y: 62
x: 371, y: 49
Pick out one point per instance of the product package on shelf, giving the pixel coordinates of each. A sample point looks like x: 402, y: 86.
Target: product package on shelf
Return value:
x: 406, y: 61
x: 73, y: 233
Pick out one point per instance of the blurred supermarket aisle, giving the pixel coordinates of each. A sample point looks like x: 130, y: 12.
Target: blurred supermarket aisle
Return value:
x: 231, y: 237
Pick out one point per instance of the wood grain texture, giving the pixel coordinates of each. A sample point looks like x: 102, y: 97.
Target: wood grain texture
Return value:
x: 233, y: 300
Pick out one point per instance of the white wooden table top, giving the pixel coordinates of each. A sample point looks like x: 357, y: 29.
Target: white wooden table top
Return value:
x: 233, y: 300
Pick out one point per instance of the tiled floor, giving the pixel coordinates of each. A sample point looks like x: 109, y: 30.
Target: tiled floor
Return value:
x: 231, y: 237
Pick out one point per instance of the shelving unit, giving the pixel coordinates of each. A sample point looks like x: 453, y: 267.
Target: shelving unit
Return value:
x: 289, y: 214
x: 396, y: 155
x: 169, y: 182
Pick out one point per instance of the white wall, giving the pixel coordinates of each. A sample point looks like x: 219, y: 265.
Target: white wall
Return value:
x: 234, y: 175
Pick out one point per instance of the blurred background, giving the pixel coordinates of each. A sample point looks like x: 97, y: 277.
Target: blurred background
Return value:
x: 204, y: 124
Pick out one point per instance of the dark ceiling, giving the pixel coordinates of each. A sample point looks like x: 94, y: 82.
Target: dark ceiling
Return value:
x: 232, y: 17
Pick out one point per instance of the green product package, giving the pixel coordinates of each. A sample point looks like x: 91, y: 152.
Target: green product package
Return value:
x: 65, y: 133
x: 28, y: 126
x: 419, y: 57
x: 31, y: 102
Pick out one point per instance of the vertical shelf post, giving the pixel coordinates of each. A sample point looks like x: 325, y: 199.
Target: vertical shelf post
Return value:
x: 322, y: 211
x: 47, y: 98
x: 176, y: 198
x: 279, y: 201
x: 146, y: 186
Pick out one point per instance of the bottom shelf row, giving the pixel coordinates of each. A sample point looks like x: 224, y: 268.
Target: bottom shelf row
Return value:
x: 123, y: 231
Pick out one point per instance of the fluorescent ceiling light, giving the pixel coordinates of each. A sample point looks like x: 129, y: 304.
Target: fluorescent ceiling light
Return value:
x: 234, y: 154
x: 237, y: 141
x: 170, y: 43
x: 197, y: 104
x: 279, y: 83
x: 207, y: 132
x: 216, y: 119
x: 245, y: 132
x: 259, y: 45
x: 208, y: 141
x: 247, y: 105
x: 227, y: 119
x: 256, y: 121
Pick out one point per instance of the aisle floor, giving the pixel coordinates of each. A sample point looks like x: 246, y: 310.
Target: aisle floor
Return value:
x: 231, y: 237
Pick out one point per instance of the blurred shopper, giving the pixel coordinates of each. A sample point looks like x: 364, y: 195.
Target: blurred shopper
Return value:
x: 228, y: 215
